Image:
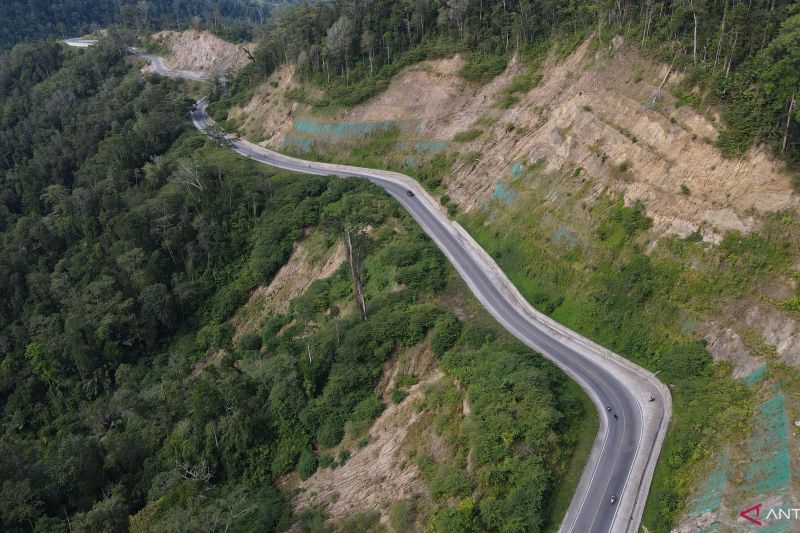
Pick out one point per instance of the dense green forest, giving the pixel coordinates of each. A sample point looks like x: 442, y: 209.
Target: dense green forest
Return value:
x: 127, y: 242
x: 744, y: 57
x: 40, y: 19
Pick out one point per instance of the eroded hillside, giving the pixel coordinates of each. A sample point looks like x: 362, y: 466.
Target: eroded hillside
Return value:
x: 699, y: 257
x: 200, y: 51
x: 593, y: 111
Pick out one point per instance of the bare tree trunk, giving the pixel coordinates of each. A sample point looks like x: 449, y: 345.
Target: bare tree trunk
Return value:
x: 730, y: 57
x: 788, y: 121
x: 719, y: 43
x: 358, y: 289
x: 658, y: 91
x: 694, y: 50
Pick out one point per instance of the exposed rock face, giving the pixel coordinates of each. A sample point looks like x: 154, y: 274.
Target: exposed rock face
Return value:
x: 777, y: 329
x: 725, y: 344
x: 698, y: 523
x: 593, y: 110
x: 268, y: 116
x: 417, y: 361
x: 201, y: 51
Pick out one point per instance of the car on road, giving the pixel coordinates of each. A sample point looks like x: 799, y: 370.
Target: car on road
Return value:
x: 613, y: 499
x: 410, y: 194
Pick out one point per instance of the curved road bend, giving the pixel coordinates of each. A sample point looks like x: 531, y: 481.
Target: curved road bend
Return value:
x: 620, y: 442
x: 626, y: 449
x: 158, y: 62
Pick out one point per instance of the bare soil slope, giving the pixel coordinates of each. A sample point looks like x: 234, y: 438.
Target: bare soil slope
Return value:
x: 201, y: 51
x: 591, y: 111
x: 383, y: 470
x: 267, y: 117
x: 303, y: 268
x: 594, y: 111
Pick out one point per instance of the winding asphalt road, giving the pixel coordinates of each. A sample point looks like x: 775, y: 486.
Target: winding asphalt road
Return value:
x: 626, y: 448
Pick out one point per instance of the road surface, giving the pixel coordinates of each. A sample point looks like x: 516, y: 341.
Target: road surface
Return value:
x: 162, y: 70
x: 627, y: 445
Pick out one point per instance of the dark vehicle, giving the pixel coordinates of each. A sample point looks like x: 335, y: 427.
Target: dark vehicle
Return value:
x: 608, y: 408
x: 615, y: 416
x: 410, y: 194
x: 613, y: 499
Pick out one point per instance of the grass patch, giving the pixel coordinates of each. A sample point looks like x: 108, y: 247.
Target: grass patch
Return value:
x: 467, y: 136
x: 483, y: 67
x: 507, y: 100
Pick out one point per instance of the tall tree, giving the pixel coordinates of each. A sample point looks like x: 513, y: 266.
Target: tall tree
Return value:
x: 338, y: 40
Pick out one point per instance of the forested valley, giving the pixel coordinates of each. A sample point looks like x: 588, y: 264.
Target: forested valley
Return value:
x: 128, y: 240
x: 43, y: 19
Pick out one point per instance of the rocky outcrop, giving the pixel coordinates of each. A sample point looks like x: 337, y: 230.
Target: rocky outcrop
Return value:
x: 201, y: 51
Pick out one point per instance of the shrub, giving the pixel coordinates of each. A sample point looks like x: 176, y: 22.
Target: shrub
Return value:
x: 686, y: 359
x: 227, y: 301
x: 215, y: 335
x: 467, y: 136
x: 363, y: 414
x: 344, y: 455
x: 631, y: 219
x: 313, y: 520
x: 398, y: 395
x: 402, y: 515
x: 307, y: 464
x: 249, y: 342
x: 482, y: 67
x: 507, y: 100
x: 445, y: 334
x: 363, y: 522
x: 325, y: 461
x: 524, y: 82
x: 453, y: 520
x: 546, y: 300
x: 330, y: 433
x: 445, y: 480
x: 406, y: 380
x: 271, y: 328
x: 476, y: 335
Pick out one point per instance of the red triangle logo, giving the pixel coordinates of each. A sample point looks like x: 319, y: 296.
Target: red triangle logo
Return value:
x: 747, y: 512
